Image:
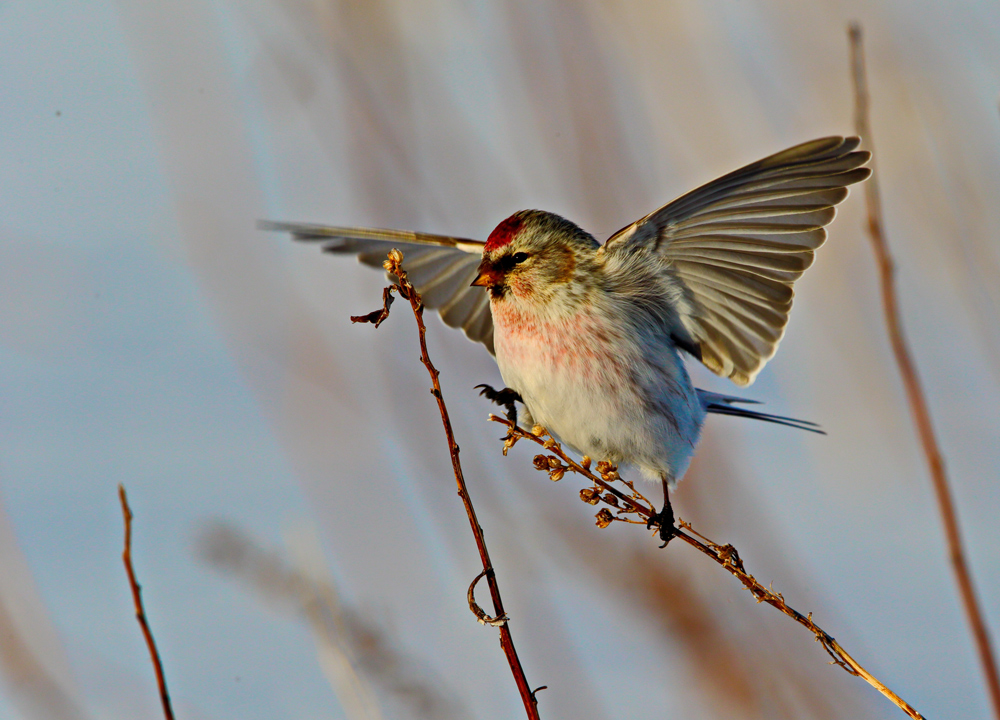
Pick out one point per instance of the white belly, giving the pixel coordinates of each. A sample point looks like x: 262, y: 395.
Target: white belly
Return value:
x: 600, y: 394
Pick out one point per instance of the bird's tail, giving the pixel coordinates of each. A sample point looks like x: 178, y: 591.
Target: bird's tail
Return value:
x: 725, y: 405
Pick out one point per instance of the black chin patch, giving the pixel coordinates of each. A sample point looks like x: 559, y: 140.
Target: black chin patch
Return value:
x: 498, y: 291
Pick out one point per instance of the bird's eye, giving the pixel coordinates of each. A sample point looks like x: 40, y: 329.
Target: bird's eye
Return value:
x: 519, y: 257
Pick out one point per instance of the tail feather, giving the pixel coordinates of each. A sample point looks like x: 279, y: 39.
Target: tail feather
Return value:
x: 724, y: 405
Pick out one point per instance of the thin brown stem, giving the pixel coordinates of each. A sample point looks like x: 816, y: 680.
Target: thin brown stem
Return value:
x: 911, y: 383
x: 394, y: 266
x: 558, y: 463
x: 140, y: 611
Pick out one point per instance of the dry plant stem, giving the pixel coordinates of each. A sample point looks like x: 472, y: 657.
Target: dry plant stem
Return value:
x: 140, y: 612
x: 724, y: 555
x: 911, y: 382
x: 394, y: 266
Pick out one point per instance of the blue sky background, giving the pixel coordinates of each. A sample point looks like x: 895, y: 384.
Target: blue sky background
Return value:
x: 150, y: 336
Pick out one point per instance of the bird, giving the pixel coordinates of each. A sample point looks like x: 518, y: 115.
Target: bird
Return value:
x: 591, y: 338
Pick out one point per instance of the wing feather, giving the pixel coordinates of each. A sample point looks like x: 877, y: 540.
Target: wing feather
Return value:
x: 440, y: 267
x: 736, y: 246
x: 774, y: 294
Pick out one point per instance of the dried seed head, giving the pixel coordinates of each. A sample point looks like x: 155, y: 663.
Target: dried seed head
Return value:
x: 538, y: 431
x: 557, y: 475
x: 610, y: 499
x: 550, y: 443
x: 603, y: 466
x: 541, y: 462
x: 604, y: 518
x: 590, y: 495
x: 611, y: 475
x: 554, y: 462
x: 585, y: 462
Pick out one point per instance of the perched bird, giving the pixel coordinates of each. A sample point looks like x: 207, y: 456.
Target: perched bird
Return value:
x: 590, y: 338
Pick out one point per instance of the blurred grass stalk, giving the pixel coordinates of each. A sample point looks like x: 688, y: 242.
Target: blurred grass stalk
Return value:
x: 354, y: 652
x: 911, y: 381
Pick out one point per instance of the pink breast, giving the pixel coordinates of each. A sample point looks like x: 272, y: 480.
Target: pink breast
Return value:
x: 582, y: 343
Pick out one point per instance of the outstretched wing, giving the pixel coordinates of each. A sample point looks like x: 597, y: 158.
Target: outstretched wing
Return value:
x: 441, y: 268
x: 736, y: 245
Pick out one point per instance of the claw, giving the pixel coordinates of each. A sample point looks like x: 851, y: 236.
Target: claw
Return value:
x: 665, y: 518
x: 504, y: 398
x: 665, y: 521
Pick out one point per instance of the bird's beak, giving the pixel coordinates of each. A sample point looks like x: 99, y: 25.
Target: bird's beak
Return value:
x: 488, y: 275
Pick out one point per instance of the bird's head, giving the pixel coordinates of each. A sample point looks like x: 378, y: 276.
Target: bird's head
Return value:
x: 534, y: 255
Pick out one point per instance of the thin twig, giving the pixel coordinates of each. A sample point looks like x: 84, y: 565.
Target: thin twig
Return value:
x: 557, y: 463
x: 140, y: 611
x: 394, y: 265
x: 911, y: 382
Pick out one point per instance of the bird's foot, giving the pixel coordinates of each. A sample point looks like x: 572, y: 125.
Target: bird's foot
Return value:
x: 504, y: 398
x: 665, y: 521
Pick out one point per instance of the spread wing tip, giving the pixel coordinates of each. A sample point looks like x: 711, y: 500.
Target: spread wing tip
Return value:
x: 271, y: 225
x: 440, y: 267
x: 731, y: 244
x: 301, y: 231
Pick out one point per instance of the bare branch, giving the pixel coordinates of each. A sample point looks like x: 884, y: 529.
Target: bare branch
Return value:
x: 140, y: 611
x: 630, y: 506
x: 394, y: 266
x: 911, y: 382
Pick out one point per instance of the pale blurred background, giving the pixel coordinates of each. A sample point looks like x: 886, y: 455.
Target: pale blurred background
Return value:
x: 151, y: 336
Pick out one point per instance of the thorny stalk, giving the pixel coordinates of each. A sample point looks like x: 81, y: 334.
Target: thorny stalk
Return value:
x: 394, y: 266
x: 140, y: 611
x: 911, y: 382
x: 630, y: 506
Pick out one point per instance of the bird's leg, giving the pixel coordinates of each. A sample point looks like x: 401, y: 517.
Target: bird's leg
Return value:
x: 504, y: 398
x: 665, y: 518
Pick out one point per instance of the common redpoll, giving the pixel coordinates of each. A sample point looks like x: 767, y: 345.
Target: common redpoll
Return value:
x: 588, y: 337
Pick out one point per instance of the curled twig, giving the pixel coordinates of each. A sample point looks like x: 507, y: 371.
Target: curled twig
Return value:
x: 914, y: 392
x: 140, y: 611
x: 376, y: 317
x: 394, y: 266
x: 637, y: 505
x: 480, y: 614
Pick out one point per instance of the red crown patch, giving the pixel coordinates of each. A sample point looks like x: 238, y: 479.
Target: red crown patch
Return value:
x: 503, y: 233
